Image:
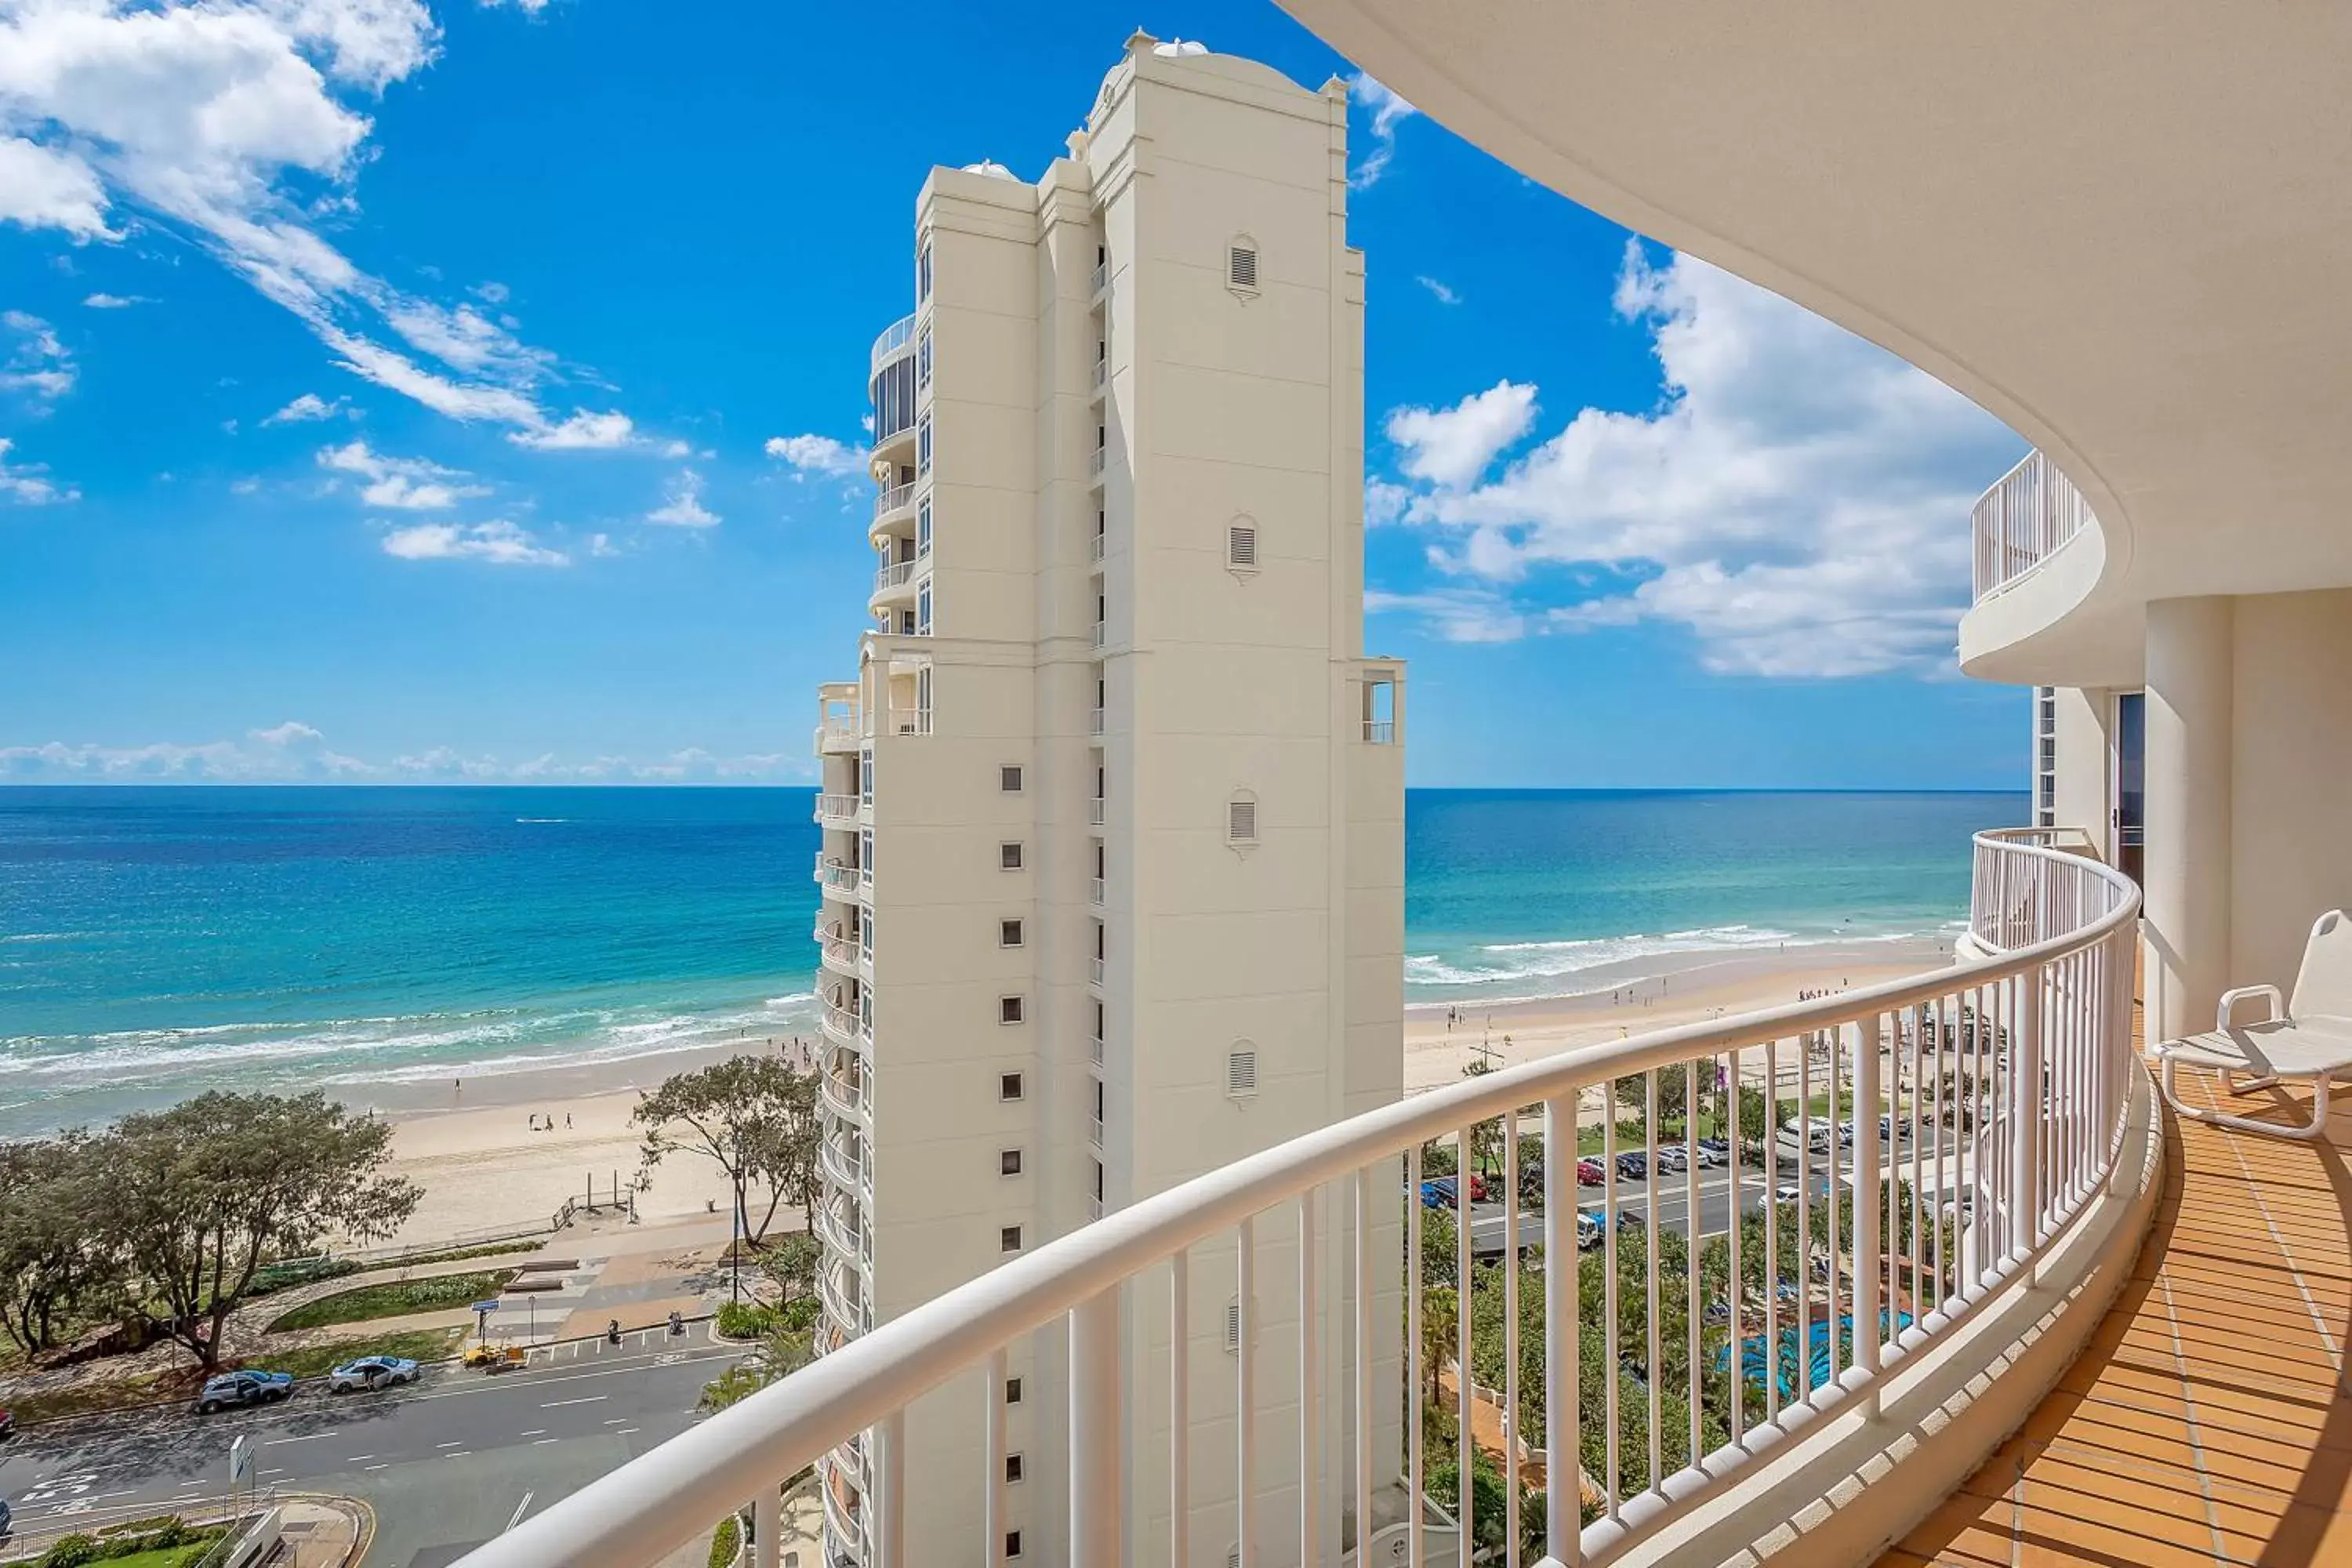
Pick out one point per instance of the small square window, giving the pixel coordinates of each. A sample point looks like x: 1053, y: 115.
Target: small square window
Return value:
x: 1008, y: 933
x: 1009, y: 1010
x: 1008, y: 1162
x: 1008, y: 1239
x: 1008, y: 857
x: 1008, y: 779
x: 1012, y: 1391
x: 1009, y: 1086
x: 1013, y: 1469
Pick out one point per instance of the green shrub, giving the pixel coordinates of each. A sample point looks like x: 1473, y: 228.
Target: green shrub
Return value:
x: 395, y: 1298
x: 724, y: 1542
x: 72, y: 1552
x: 747, y: 1321
x: 800, y: 1312
x: 284, y: 1275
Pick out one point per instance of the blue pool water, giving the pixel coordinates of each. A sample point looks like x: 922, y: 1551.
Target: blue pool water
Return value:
x: 156, y: 942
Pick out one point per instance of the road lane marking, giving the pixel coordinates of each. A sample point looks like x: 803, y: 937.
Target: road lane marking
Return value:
x: 460, y: 1454
x: 521, y: 1509
x: 534, y: 1432
x: 584, y: 1399
x: 543, y: 1442
x: 614, y: 1420
x: 356, y: 1459
x: 624, y: 1431
x: 375, y: 1467
x: 278, y: 1472
x: 306, y: 1437
x: 451, y: 1443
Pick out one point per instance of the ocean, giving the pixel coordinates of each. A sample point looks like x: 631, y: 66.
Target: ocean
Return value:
x: 158, y: 941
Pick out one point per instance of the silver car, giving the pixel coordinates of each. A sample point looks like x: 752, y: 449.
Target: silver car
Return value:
x: 370, y: 1372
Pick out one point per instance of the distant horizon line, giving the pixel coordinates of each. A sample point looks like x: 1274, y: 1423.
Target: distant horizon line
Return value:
x: 7, y: 784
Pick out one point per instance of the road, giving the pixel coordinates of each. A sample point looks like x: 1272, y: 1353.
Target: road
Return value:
x: 445, y: 1465
x: 1487, y: 1219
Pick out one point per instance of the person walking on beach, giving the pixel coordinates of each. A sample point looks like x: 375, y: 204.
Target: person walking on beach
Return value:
x: 567, y: 1120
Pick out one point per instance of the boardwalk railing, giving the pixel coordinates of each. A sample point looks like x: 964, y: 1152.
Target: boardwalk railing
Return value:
x: 1821, y: 1191
x: 2030, y: 511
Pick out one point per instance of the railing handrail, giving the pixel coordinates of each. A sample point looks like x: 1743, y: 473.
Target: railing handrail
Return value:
x: 894, y: 337
x: 642, y: 1510
x: 891, y: 500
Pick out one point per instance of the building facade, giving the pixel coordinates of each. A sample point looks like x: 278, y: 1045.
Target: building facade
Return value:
x: 1113, y: 812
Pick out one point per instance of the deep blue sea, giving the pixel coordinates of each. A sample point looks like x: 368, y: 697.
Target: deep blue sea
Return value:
x: 157, y: 941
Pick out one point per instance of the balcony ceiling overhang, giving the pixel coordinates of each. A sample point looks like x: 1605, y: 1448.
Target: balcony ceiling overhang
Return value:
x: 2121, y: 227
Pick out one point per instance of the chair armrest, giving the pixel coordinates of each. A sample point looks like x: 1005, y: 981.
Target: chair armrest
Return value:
x: 2229, y: 1000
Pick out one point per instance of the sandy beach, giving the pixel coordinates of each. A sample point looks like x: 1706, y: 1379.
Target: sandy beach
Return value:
x: 505, y: 1152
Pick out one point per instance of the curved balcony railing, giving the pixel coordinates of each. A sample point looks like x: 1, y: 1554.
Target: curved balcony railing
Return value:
x: 836, y: 877
x: 1983, y: 1109
x: 835, y: 808
x: 895, y: 575
x: 895, y: 339
x: 843, y: 957
x: 840, y: 1026
x: 841, y: 1100
x: 2016, y: 900
x: 2029, y: 512
x: 895, y: 499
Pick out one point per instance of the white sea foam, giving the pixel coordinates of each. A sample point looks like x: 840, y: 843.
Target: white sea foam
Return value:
x: 1561, y: 963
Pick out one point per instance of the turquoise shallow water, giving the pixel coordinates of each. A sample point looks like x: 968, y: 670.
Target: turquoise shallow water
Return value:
x: 156, y: 942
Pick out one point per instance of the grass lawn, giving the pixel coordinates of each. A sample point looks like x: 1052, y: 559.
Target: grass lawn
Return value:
x: 395, y: 1298
x: 317, y: 1361
x: 164, y: 1557
x: 36, y: 1408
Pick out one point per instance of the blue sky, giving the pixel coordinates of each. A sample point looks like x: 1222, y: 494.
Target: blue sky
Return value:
x: 400, y: 396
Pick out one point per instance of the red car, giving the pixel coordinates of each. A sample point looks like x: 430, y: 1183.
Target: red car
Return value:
x: 1590, y: 1173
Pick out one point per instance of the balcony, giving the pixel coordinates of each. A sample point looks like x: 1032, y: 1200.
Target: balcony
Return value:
x: 1096, y: 461
x: 1099, y: 282
x: 1094, y: 722
x: 839, y: 724
x: 894, y: 585
x: 897, y: 339
x: 1988, y: 1248
x: 1380, y: 731
x: 910, y: 721
x: 1095, y: 967
x: 844, y: 1100
x: 836, y: 810
x: 1095, y: 811
x: 2022, y: 521
x: 1100, y: 634
x: 840, y: 1027
x: 1101, y: 377
x: 836, y: 877
x: 843, y: 957
x: 1098, y: 549
x: 1095, y: 891
x: 894, y: 504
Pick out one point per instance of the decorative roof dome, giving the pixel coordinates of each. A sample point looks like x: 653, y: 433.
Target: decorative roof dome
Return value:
x: 1176, y: 46
x: 992, y: 168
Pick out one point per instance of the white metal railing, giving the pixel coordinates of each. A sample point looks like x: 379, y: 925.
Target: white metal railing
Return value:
x: 1097, y: 1044
x: 1380, y: 731
x: 1101, y: 277
x: 889, y: 501
x: 840, y: 1026
x: 1095, y: 971
x: 1094, y: 722
x: 910, y: 721
x: 1982, y: 1104
x: 1099, y: 635
x: 1096, y: 459
x: 843, y: 955
x: 895, y: 575
x: 2015, y: 900
x: 836, y: 734
x: 835, y: 808
x: 835, y: 876
x: 1095, y: 811
x: 1095, y: 1131
x: 2030, y: 511
x: 897, y: 335
x: 1102, y: 373
x: 846, y: 1100
x: 1095, y: 891
x: 1098, y: 547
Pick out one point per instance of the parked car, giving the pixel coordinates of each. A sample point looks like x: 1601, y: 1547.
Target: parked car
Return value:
x: 370, y: 1372
x: 1673, y: 1160
x: 1590, y: 1172
x: 1633, y: 1166
x: 1441, y: 1191
x: 1787, y: 1192
x: 247, y: 1387
x: 1714, y: 1152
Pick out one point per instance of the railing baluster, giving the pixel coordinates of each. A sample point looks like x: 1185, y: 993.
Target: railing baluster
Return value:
x: 1310, y: 1383
x: 1246, y: 1403
x: 767, y: 1528
x: 1364, y: 1396
x: 1179, y: 1408
x: 889, y: 1501
x: 991, y: 1390
x: 1734, y: 1088
x: 1465, y: 1446
x: 1804, y: 1220
x: 1563, y: 1264
x: 1651, y: 1372
x: 1511, y: 1337
x: 1869, y: 1174
x: 1837, y: 1252
x: 1772, y: 1229
x: 1613, y: 1369
x: 1098, y: 1437
x: 1692, y: 1313
x: 1415, y: 1550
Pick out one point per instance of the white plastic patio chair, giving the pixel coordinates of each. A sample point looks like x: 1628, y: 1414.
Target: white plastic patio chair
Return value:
x: 2311, y: 1040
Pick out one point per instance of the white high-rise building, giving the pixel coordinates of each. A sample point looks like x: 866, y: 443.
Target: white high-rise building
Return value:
x: 1113, y: 811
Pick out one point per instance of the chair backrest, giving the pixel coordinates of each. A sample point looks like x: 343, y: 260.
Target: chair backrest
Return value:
x: 2323, y: 986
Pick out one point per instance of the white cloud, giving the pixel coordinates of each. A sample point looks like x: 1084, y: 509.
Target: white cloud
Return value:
x: 307, y: 407
x: 500, y: 544
x: 240, y: 122
x: 600, y: 546
x: 1385, y: 502
x: 114, y: 301
x: 580, y: 433
x: 296, y: 753
x: 42, y: 188
x: 28, y: 484
x: 1797, y: 501
x: 527, y: 8
x: 1388, y: 109
x: 1453, y: 446
x: 410, y: 484
x: 243, y: 486
x: 36, y: 363
x: 817, y: 455
x: 1440, y: 291
x: 497, y: 293
x: 1455, y: 615
x: 684, y: 509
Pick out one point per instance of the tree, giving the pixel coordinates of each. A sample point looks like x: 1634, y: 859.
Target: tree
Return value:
x: 200, y: 1195
x: 1440, y: 1320
x: 783, y: 1352
x: 53, y: 1264
x: 753, y: 1117
x: 791, y: 1264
